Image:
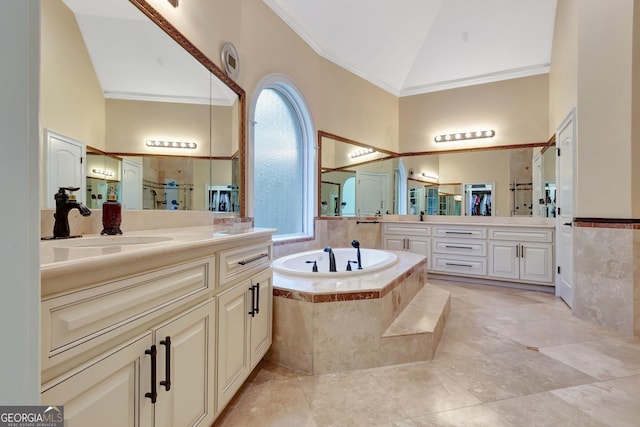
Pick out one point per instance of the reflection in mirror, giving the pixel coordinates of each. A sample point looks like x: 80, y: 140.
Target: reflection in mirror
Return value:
x: 356, y: 180
x: 113, y: 79
x: 478, y: 199
x: 433, y: 179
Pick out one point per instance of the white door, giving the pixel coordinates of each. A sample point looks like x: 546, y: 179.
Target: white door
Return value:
x: 371, y: 193
x: 565, y: 146
x: 131, y: 184
x: 65, y: 168
x: 261, y: 327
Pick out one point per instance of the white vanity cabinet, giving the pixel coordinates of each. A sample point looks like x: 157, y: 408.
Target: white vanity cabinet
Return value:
x: 108, y: 391
x: 166, y: 345
x: 413, y: 238
x: 521, y: 254
x: 158, y: 379
x: 244, y: 331
x: 460, y: 250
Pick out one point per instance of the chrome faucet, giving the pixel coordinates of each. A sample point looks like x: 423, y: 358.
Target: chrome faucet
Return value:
x: 64, y: 203
x: 356, y: 245
x: 332, y: 259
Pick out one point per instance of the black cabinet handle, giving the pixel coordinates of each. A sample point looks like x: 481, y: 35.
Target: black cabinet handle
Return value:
x: 167, y: 363
x: 153, y: 395
x: 253, y: 297
x: 517, y: 251
x: 250, y: 260
x: 453, y: 264
x: 257, y: 309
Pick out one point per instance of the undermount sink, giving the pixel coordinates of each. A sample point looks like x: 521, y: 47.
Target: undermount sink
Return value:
x: 106, y: 241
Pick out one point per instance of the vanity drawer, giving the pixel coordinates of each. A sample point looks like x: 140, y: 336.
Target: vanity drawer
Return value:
x: 521, y: 235
x: 460, y: 232
x: 238, y: 263
x: 472, y: 266
x: 460, y: 247
x: 72, y: 319
x: 408, y: 229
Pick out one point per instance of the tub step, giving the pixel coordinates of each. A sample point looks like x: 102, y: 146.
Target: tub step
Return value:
x: 417, y: 330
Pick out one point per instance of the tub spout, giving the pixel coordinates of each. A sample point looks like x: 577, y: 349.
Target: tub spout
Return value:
x: 356, y: 245
x: 332, y: 259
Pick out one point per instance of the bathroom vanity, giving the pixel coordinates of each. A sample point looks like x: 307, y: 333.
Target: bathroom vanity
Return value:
x: 496, y: 249
x: 153, y: 328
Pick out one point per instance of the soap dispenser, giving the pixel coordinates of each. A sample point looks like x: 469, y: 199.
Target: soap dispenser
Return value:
x: 111, y: 214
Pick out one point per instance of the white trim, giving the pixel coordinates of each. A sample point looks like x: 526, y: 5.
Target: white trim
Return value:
x: 290, y: 89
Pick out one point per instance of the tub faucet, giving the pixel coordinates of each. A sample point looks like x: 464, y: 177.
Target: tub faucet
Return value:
x: 356, y: 245
x: 332, y: 259
x: 64, y: 203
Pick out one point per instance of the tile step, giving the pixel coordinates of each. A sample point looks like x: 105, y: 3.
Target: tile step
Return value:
x: 423, y: 319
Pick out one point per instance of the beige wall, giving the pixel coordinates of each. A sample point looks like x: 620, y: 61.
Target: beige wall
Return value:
x: 71, y: 101
x: 604, y: 109
x: 516, y: 109
x: 563, y: 77
x: 131, y: 123
x: 340, y: 102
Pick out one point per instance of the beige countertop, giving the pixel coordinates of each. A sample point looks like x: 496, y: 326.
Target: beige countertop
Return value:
x: 486, y: 221
x: 67, y: 263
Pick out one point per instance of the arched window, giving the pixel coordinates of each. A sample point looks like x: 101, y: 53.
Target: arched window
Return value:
x: 282, y: 159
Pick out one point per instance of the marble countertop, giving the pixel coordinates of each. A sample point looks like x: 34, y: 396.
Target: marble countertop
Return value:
x: 96, y: 257
x: 487, y: 221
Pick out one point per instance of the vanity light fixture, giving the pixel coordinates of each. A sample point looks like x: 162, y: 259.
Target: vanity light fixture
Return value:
x: 461, y: 136
x: 102, y: 172
x: 362, y: 152
x: 171, y: 144
x: 430, y: 175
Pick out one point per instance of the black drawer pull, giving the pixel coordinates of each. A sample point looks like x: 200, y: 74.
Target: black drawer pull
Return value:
x: 250, y: 260
x: 466, y: 233
x: 153, y: 395
x: 167, y: 368
x: 253, y: 304
x: 458, y: 265
x: 458, y: 247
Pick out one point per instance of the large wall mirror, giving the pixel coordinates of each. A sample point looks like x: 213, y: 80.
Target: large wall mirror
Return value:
x: 163, y: 126
x: 489, y: 182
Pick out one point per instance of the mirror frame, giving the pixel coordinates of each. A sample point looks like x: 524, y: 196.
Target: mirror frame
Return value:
x: 176, y: 35
x: 322, y: 134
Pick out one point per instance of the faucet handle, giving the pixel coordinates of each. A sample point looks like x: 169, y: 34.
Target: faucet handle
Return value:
x: 349, y: 264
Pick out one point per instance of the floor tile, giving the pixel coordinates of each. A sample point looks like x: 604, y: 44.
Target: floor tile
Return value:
x: 505, y: 375
x: 349, y: 399
x: 615, y: 402
x: 421, y: 389
x: 607, y: 359
x: 543, y: 410
x: 473, y: 416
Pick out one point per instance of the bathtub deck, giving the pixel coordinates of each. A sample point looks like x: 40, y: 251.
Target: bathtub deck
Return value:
x: 386, y: 318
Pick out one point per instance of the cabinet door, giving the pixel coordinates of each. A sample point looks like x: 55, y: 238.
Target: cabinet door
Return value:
x: 185, y: 346
x: 536, y: 262
x: 108, y: 392
x: 233, y: 341
x: 420, y: 246
x: 395, y: 243
x: 261, y: 321
x: 503, y: 262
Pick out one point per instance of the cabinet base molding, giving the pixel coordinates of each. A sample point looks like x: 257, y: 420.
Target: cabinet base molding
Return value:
x: 492, y: 282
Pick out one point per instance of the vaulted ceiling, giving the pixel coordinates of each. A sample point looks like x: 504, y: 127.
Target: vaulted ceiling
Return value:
x: 416, y: 46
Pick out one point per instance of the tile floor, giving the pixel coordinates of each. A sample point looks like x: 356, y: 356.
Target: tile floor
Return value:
x: 507, y: 358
